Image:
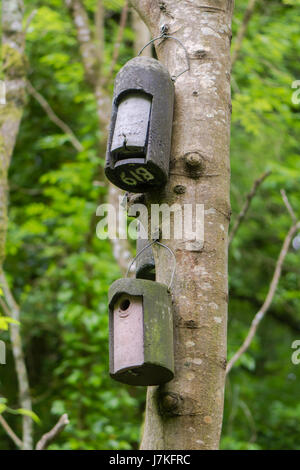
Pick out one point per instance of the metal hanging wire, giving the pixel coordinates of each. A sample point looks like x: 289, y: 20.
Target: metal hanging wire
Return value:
x: 165, y: 35
x: 148, y: 246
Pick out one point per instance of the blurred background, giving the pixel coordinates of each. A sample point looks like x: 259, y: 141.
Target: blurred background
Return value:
x: 60, y: 272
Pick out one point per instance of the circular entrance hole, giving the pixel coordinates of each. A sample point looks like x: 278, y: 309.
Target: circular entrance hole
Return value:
x: 125, y: 304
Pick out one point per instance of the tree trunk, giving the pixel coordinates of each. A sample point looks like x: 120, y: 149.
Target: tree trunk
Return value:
x: 187, y: 412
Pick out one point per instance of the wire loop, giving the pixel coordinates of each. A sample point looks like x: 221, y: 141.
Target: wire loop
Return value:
x: 164, y: 35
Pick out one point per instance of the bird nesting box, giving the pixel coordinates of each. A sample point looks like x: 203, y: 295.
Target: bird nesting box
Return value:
x: 139, y: 142
x: 141, y: 332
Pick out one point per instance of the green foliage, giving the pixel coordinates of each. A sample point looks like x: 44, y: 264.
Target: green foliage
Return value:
x: 18, y: 411
x: 5, y: 321
x: 261, y: 406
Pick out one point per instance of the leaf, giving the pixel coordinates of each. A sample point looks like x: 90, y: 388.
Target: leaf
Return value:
x: 2, y: 408
x: 4, y: 322
x: 29, y: 413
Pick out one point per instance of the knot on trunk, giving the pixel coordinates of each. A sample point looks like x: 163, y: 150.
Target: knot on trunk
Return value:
x: 179, y: 189
x: 194, y: 163
x: 169, y: 404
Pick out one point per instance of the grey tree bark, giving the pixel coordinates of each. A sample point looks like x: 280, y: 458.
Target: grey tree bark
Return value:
x: 187, y: 413
x: 142, y: 35
x: 14, y: 67
x: 91, y: 49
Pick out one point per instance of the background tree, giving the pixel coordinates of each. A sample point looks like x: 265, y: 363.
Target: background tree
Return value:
x: 54, y: 190
x: 14, y: 68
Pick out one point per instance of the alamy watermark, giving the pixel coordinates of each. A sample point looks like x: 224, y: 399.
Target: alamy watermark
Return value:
x: 296, y: 354
x: 2, y: 352
x: 158, y: 221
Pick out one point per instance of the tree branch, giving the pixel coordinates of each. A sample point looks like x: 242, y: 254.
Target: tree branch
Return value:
x: 10, y: 432
x: 142, y: 35
x: 53, y: 117
x: 89, y: 56
x: 47, y: 438
x: 271, y: 293
x: 99, y: 23
x: 242, y: 31
x: 150, y: 12
x: 5, y: 308
x: 121, y: 247
x: 29, y: 20
x: 288, y: 205
x: 13, y: 40
x: 117, y: 45
x: 21, y: 371
x: 246, y: 206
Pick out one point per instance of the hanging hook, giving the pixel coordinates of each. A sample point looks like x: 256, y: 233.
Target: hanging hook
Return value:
x: 174, y: 260
x: 148, y: 246
x: 164, y: 35
x: 138, y: 254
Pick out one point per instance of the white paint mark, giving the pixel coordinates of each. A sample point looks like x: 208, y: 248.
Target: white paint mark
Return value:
x: 200, y: 270
x: 218, y: 319
x: 197, y: 361
x: 194, y: 246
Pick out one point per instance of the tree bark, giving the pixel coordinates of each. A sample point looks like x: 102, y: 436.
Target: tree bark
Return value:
x: 14, y: 67
x: 242, y: 31
x: 142, y: 35
x: 187, y: 412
